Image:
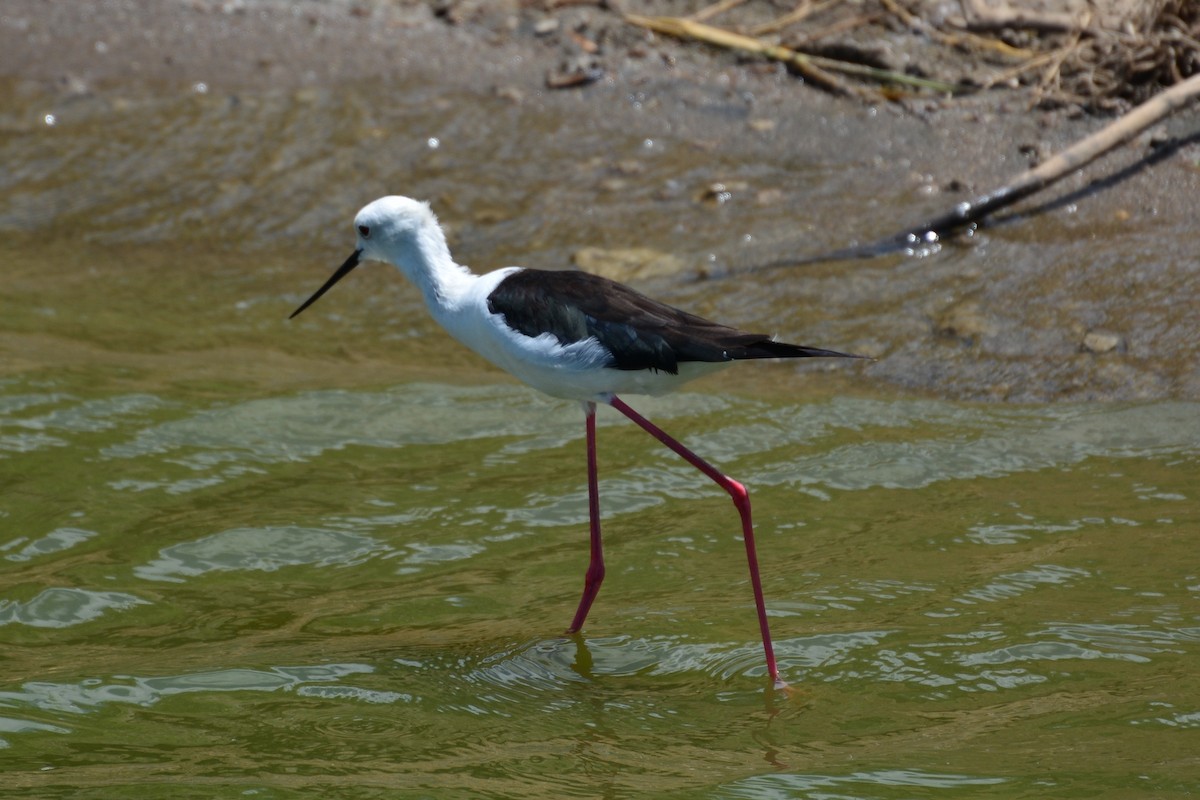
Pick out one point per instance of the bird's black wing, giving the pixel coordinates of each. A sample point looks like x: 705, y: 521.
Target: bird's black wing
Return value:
x: 639, y: 332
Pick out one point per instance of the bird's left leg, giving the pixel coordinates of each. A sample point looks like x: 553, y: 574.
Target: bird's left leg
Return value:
x: 595, y: 571
x: 741, y: 499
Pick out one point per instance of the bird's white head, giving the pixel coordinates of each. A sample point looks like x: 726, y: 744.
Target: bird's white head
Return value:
x: 390, y: 227
x: 402, y: 232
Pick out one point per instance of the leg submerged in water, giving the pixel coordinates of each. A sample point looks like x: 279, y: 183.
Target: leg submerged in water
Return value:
x: 741, y: 500
x: 595, y: 571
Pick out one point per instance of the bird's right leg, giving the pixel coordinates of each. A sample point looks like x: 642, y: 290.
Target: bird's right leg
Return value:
x: 595, y: 571
x: 741, y: 500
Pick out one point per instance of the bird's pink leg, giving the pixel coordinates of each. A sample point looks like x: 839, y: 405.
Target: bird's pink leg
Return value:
x: 595, y: 572
x: 741, y: 499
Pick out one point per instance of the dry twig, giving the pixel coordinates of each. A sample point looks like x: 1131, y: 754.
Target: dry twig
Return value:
x: 708, y: 12
x: 1074, y: 157
x: 798, y: 14
x: 815, y: 68
x: 968, y: 214
x: 914, y: 22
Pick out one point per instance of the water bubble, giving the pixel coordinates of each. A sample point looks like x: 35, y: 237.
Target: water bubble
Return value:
x: 50, y: 120
x: 200, y: 87
x: 433, y: 142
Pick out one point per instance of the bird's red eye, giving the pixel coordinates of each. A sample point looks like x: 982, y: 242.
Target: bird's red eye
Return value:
x: 364, y: 231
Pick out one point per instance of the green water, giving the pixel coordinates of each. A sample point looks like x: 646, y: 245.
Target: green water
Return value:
x: 241, y: 557
x: 360, y: 592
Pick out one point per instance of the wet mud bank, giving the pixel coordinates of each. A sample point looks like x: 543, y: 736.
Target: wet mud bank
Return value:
x: 554, y: 137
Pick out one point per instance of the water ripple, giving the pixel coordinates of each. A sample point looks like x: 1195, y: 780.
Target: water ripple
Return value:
x: 766, y: 787
x: 302, y: 427
x: 90, y: 416
x: 29, y: 442
x: 1127, y: 640
x: 262, y: 549
x: 92, y: 693
x: 1014, y: 584
x: 56, y: 541
x: 1041, y: 651
x: 62, y: 607
x: 540, y: 669
x: 1007, y: 441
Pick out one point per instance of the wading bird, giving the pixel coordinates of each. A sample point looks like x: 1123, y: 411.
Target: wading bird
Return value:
x: 571, y: 335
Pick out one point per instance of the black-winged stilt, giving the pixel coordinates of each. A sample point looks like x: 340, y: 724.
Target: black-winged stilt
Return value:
x: 571, y: 335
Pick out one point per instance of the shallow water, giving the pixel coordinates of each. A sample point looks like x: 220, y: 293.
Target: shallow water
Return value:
x: 245, y: 557
x: 360, y: 592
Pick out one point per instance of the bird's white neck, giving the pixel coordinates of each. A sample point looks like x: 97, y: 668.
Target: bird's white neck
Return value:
x: 426, y: 261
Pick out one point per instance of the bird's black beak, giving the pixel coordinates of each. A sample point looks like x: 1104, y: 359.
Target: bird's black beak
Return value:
x: 342, y: 272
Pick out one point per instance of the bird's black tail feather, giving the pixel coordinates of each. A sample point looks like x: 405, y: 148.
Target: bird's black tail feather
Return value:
x: 769, y: 348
